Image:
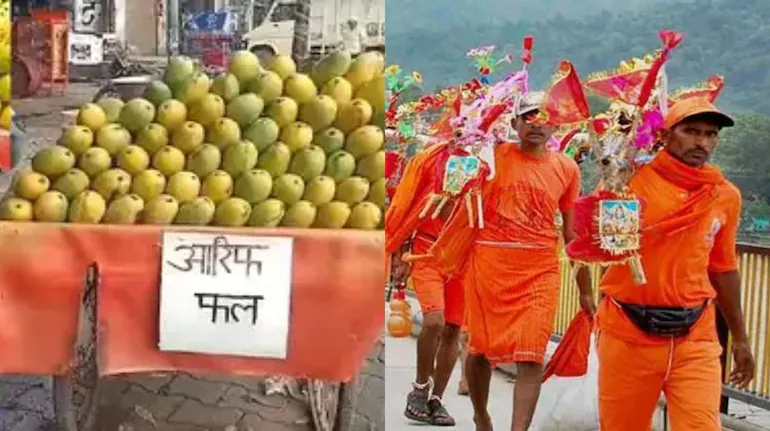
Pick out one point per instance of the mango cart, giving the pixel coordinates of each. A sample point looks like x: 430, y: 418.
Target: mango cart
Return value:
x: 264, y: 153
x: 53, y: 325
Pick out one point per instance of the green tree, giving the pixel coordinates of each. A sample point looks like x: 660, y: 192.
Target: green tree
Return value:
x: 721, y: 38
x: 743, y: 154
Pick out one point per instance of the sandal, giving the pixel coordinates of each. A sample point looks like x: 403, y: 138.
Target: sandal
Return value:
x: 439, y: 415
x: 417, y: 403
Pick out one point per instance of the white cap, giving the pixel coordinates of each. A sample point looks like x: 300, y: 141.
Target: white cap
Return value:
x: 529, y: 102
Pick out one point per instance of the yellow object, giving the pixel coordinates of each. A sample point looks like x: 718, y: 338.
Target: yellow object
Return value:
x: 5, y: 57
x: 198, y: 212
x: 90, y: 115
x: 6, y: 116
x: 124, y: 210
x: 399, y: 318
x: 52, y: 207
x: 5, y: 88
x: 16, y: 209
x: 233, y: 212
x: 30, y: 185
x: 267, y: 147
x: 5, y: 26
x: 88, y: 208
x: 302, y: 214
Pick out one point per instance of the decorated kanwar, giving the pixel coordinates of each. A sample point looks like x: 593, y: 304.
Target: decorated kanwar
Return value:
x: 416, y: 215
x: 438, y: 181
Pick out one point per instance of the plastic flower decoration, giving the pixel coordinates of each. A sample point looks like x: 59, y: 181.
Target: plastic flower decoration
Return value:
x: 485, y: 62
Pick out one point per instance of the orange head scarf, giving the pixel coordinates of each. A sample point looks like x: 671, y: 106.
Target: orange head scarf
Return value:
x: 702, y: 182
x: 685, y: 176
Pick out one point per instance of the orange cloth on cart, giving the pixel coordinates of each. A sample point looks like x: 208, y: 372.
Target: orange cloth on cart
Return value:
x: 43, y: 266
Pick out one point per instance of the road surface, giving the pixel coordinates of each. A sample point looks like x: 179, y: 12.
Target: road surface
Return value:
x: 399, y: 373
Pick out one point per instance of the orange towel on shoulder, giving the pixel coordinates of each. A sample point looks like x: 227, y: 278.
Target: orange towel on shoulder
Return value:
x: 415, y: 187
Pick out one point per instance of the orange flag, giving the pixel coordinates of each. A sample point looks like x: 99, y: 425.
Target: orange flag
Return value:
x: 565, y: 102
x: 709, y: 90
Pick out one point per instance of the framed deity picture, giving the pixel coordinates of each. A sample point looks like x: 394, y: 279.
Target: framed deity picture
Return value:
x: 619, y: 222
x: 459, y: 171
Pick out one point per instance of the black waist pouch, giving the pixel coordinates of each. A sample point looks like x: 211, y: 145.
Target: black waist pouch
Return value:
x: 663, y: 321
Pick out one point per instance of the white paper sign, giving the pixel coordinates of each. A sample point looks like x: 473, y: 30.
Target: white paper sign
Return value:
x: 85, y: 49
x: 225, y: 294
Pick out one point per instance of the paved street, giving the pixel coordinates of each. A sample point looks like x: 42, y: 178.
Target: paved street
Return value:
x: 399, y: 372
x: 182, y: 402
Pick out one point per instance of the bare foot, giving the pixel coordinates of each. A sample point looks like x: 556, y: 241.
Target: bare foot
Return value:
x: 483, y: 423
x: 462, y: 389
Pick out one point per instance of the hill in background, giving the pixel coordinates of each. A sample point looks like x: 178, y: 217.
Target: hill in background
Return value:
x: 721, y: 36
x: 432, y: 15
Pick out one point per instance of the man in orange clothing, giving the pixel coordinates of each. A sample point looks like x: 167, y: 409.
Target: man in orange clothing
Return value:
x: 661, y: 337
x: 511, y: 266
x: 440, y: 296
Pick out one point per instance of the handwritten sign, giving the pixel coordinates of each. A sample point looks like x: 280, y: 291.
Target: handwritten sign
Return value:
x: 225, y: 294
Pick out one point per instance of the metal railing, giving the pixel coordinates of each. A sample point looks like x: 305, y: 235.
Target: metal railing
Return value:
x: 755, y: 298
x: 755, y: 287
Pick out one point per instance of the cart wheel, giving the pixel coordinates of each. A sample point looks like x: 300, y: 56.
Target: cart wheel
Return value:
x: 75, y: 395
x: 324, y: 398
x: 75, y: 405
x: 346, y: 414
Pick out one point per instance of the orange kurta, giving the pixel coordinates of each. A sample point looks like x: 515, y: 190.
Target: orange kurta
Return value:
x: 636, y: 367
x: 511, y: 267
x: 436, y: 290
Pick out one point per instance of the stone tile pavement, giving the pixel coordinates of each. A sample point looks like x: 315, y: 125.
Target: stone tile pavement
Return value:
x: 183, y: 402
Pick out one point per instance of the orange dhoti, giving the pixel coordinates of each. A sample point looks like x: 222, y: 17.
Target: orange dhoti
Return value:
x: 436, y: 291
x: 632, y: 375
x: 511, y: 298
x: 511, y: 267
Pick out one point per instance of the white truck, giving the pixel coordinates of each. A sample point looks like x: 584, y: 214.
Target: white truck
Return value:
x: 271, y: 27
